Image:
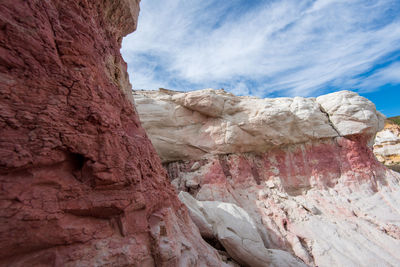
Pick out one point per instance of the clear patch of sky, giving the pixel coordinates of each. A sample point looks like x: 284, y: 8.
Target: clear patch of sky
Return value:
x: 386, y: 99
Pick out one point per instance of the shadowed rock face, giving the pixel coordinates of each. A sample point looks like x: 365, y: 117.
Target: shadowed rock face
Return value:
x: 80, y: 182
x: 303, y: 169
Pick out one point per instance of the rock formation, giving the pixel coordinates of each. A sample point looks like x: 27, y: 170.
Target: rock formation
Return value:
x: 237, y: 232
x: 80, y: 182
x: 387, y: 145
x: 191, y: 125
x: 302, y: 168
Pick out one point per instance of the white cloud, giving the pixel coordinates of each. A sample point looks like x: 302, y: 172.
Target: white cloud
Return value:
x: 240, y: 88
x: 291, y: 46
x: 387, y: 75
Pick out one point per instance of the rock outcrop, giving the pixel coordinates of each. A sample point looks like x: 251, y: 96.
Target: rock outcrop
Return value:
x: 387, y: 146
x: 80, y: 182
x: 302, y: 168
x: 237, y: 232
x: 191, y: 125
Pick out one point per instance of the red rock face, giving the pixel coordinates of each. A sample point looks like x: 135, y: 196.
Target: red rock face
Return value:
x: 80, y: 182
x: 299, y: 167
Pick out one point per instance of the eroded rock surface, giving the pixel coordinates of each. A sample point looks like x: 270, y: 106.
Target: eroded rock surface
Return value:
x: 80, y: 183
x: 237, y: 232
x: 191, y: 125
x: 387, y: 146
x: 303, y: 169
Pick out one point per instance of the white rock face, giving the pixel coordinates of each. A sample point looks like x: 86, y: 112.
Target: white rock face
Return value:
x: 300, y: 168
x: 197, y: 214
x: 237, y: 232
x: 190, y: 125
x: 387, y: 146
x: 324, y: 227
x: 351, y: 114
x: 387, y: 143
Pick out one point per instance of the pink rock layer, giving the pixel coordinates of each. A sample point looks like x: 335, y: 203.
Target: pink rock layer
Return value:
x: 80, y: 183
x: 319, y: 164
x: 311, y: 199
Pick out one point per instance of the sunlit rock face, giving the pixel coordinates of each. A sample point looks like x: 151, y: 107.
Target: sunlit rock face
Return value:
x: 237, y: 232
x: 191, y: 125
x: 302, y: 168
x: 80, y: 182
x: 387, y: 146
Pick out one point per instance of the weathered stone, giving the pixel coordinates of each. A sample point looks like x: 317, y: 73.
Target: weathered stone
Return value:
x: 80, y: 182
x: 191, y: 125
x: 308, y: 177
x: 387, y: 146
x: 351, y: 114
x: 195, y: 166
x: 355, y: 209
x: 237, y: 232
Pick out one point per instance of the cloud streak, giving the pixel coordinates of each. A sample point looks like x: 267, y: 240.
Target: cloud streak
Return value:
x: 287, y: 47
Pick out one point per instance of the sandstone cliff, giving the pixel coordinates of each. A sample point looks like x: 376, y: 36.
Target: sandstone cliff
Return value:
x: 387, y: 145
x: 80, y: 182
x: 302, y: 168
x: 190, y: 125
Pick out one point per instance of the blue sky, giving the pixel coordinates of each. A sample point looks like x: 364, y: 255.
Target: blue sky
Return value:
x: 269, y: 48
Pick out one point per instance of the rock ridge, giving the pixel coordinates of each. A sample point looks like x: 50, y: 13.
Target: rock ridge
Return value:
x: 190, y: 125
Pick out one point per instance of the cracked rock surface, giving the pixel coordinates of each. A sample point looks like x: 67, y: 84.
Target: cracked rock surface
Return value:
x: 80, y: 182
x: 191, y: 125
x: 301, y: 168
x: 237, y: 232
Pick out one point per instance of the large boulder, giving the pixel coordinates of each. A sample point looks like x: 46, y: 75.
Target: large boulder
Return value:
x: 351, y: 114
x: 237, y: 232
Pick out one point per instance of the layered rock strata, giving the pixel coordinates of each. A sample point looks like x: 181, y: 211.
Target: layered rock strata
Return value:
x: 387, y: 146
x: 80, y: 183
x: 302, y: 168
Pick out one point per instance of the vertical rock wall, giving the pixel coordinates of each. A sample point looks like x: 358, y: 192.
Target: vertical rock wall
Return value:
x: 80, y: 183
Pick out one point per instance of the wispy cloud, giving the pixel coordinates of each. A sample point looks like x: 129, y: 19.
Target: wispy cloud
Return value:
x: 383, y: 76
x: 286, y: 47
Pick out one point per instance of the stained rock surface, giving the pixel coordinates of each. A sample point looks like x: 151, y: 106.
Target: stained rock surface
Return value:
x: 302, y: 168
x: 387, y: 146
x: 80, y: 183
